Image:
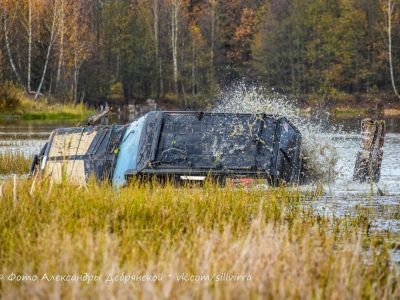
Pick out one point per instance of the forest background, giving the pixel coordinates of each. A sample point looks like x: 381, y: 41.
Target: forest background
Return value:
x: 187, y: 51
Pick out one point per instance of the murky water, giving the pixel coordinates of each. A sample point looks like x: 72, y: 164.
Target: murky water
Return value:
x: 379, y: 202
x: 345, y: 197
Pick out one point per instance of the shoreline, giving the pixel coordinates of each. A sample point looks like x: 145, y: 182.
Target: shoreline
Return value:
x: 40, y: 111
x: 340, y: 112
x: 44, y: 116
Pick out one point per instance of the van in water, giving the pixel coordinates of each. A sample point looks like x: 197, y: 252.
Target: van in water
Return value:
x: 177, y: 145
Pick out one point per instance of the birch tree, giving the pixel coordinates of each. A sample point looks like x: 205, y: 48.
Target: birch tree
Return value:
x: 156, y: 20
x: 193, y: 65
x: 80, y: 40
x: 213, y: 5
x: 5, y: 18
x: 390, y: 9
x: 34, y: 12
x: 29, y: 45
x: 197, y: 44
x: 174, y: 41
x: 61, y: 45
x: 49, y: 47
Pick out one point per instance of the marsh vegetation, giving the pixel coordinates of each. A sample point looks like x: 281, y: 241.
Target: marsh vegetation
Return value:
x: 287, y: 250
x: 14, y: 163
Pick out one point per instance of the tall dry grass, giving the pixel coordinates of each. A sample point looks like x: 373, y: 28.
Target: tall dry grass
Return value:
x: 12, y: 162
x: 288, y: 251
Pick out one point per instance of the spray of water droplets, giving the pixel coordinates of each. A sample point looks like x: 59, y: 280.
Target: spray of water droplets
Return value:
x: 318, y: 150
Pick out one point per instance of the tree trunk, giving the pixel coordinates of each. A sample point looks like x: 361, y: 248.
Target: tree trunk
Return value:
x: 10, y: 58
x: 61, y: 56
x: 193, y: 68
x: 156, y: 7
x: 212, y: 45
x: 390, y: 11
x: 174, y: 42
x: 29, y: 44
x: 184, y: 101
x: 50, y: 85
x: 76, y: 71
x: 51, y: 42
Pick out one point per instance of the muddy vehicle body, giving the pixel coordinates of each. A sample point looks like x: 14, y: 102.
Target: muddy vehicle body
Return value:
x: 179, y: 145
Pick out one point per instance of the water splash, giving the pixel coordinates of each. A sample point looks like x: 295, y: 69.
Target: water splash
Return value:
x: 318, y: 150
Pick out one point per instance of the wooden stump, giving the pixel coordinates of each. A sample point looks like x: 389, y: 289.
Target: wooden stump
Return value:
x: 95, y: 118
x: 369, y: 158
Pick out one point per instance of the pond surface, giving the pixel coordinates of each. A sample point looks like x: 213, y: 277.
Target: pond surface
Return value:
x: 27, y: 136
x: 346, y: 197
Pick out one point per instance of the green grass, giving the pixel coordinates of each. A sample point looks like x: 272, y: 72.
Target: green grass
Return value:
x: 288, y: 251
x: 14, y: 163
x: 15, y: 103
x: 346, y: 112
x: 41, y: 110
x: 54, y: 116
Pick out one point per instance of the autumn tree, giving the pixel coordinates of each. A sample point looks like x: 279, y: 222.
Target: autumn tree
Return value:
x: 85, y: 50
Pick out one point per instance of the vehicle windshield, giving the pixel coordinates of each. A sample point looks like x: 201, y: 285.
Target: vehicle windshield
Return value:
x: 128, y: 152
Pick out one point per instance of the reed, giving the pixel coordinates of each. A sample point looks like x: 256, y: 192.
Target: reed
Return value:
x: 286, y: 249
x: 14, y: 162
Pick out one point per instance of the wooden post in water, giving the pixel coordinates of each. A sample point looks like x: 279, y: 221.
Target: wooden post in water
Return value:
x: 369, y: 158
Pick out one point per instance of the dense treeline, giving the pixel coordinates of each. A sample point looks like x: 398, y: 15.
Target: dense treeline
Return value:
x: 188, y: 49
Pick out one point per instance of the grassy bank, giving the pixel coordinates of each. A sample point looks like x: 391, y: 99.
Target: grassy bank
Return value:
x: 274, y: 246
x: 349, y: 112
x: 362, y: 112
x: 14, y: 163
x: 348, y: 106
x: 15, y: 103
x: 41, y: 110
